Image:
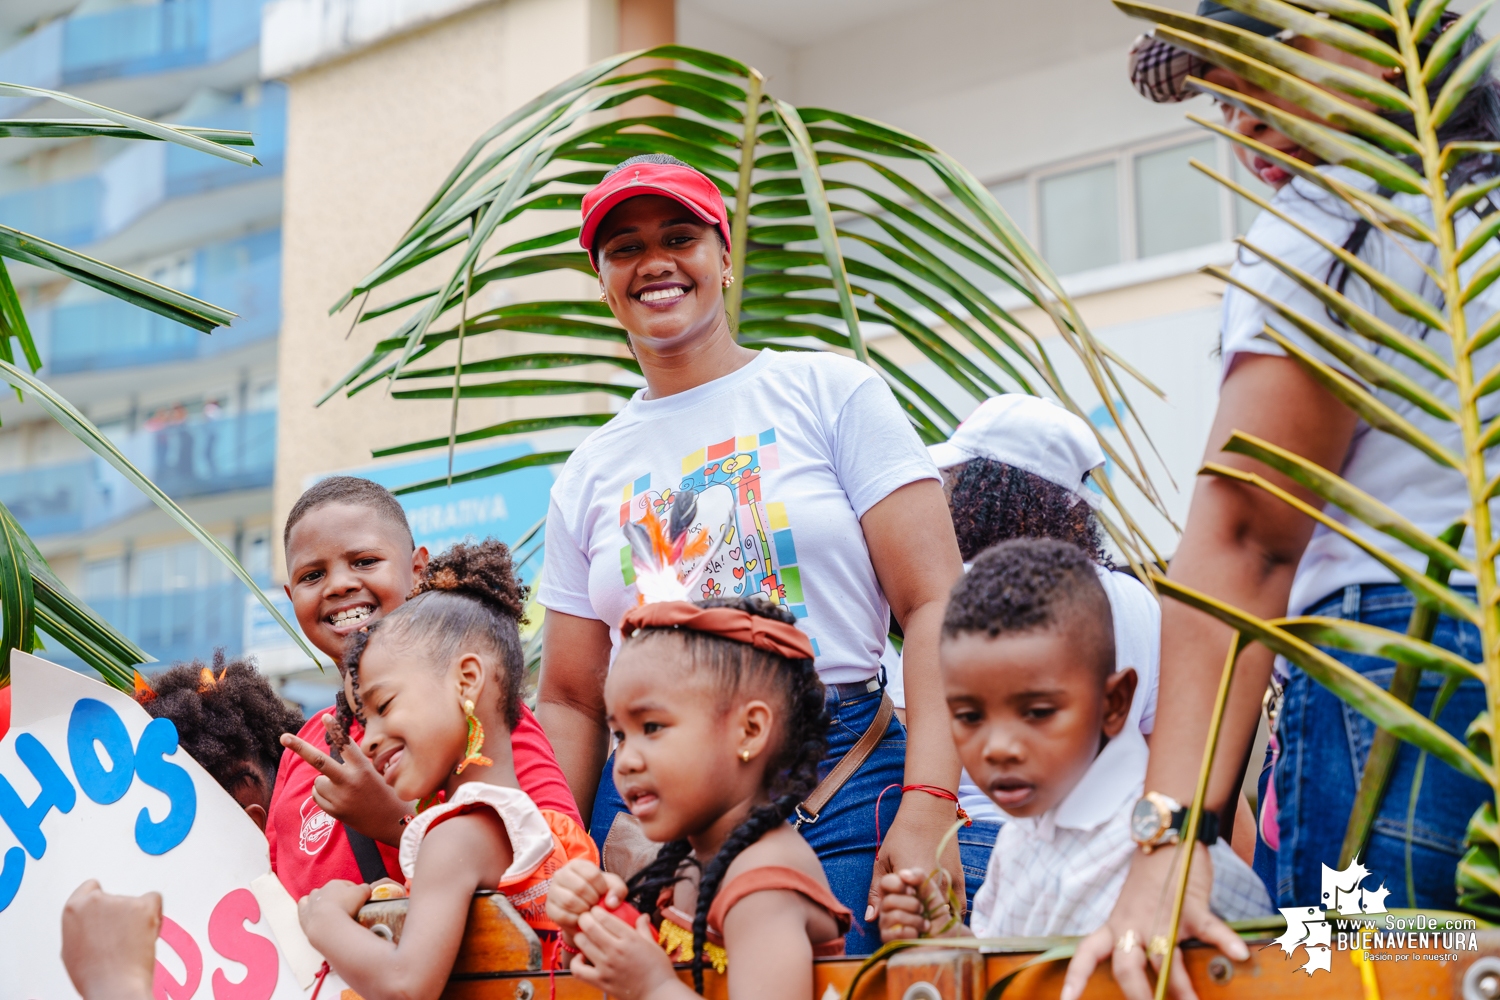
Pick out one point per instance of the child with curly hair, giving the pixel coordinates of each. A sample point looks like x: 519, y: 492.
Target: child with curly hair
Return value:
x: 719, y: 724
x: 230, y: 721
x: 351, y: 560
x: 436, y: 684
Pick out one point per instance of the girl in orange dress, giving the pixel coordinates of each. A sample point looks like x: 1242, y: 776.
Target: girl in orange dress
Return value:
x: 437, y: 685
x: 719, y: 723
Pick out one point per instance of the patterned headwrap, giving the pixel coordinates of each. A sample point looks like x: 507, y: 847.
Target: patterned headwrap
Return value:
x: 729, y: 623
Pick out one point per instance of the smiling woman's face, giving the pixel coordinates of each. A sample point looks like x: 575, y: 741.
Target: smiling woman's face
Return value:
x: 662, y: 269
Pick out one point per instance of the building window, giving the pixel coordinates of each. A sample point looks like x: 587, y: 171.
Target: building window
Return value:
x: 1176, y: 206
x: 1135, y: 203
x: 1081, y: 219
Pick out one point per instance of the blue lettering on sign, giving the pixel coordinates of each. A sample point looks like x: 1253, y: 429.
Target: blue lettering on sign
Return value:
x: 10, y: 875
x: 158, y: 741
x: 95, y: 722
x: 57, y: 793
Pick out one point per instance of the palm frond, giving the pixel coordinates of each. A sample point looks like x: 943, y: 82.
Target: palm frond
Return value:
x: 1397, y: 147
x: 847, y: 234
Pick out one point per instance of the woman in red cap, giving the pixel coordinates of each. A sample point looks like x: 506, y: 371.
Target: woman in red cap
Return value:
x: 810, y: 490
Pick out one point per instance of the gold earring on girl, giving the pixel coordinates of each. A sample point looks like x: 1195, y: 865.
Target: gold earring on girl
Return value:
x: 472, y: 750
x: 745, y: 756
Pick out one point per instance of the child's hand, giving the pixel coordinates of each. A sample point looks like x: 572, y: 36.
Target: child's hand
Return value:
x: 622, y: 961
x: 910, y: 906
x: 578, y: 887
x: 340, y: 896
x: 109, y: 942
x: 352, y: 792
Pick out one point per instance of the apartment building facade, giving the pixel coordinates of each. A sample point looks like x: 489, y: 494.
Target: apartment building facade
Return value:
x: 197, y: 413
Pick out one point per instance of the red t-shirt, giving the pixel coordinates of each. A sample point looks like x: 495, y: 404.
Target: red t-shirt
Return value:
x: 313, y: 848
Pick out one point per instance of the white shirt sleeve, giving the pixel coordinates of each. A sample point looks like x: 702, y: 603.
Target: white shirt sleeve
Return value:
x: 876, y: 450
x: 1244, y: 316
x: 564, y: 584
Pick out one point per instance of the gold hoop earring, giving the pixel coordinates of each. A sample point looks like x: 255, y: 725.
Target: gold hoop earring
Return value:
x: 475, y: 743
x: 745, y: 756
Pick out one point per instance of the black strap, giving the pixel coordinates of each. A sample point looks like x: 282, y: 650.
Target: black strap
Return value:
x: 367, y: 856
x: 366, y: 851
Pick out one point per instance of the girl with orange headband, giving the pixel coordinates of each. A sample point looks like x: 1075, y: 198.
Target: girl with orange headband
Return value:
x: 719, y: 722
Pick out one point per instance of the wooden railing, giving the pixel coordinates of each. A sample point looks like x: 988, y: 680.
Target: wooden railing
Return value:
x: 501, y: 960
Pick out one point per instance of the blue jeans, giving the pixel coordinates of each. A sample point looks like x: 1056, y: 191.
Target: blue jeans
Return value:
x: 1323, y: 747
x: 844, y: 834
x: 974, y: 846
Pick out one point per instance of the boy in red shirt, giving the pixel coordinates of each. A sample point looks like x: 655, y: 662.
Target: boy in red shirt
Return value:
x: 351, y: 559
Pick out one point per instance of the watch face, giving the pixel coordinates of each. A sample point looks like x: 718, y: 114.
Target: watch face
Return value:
x: 1145, y: 821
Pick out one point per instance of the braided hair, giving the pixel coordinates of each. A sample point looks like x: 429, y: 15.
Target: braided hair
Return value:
x: 992, y: 501
x: 469, y: 598
x: 791, y: 774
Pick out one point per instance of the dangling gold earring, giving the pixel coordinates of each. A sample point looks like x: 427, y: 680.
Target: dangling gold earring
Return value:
x: 745, y: 756
x: 603, y: 295
x: 728, y: 280
x: 472, y: 750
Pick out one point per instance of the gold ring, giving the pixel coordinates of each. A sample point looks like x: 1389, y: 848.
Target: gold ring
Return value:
x: 1128, y: 942
x: 1159, y: 947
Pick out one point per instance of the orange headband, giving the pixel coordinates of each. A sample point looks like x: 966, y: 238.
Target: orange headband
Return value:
x: 728, y: 623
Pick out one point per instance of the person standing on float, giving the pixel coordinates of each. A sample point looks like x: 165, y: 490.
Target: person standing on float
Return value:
x: 815, y: 492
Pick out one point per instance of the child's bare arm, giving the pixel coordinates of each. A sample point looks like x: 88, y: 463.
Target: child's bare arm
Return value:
x: 911, y: 906
x: 767, y: 936
x: 578, y: 887
x: 457, y: 857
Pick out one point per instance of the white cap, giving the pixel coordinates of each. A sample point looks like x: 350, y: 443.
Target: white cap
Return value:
x: 1027, y: 432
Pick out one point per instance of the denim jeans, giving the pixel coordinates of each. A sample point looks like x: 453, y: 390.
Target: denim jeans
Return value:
x: 844, y: 834
x: 975, y: 843
x: 1323, y: 745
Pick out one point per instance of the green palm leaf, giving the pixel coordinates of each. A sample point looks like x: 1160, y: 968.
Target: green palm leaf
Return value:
x: 31, y: 596
x: 1429, y: 88
x: 898, y: 242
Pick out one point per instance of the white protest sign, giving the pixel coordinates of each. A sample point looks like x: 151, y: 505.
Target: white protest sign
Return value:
x: 92, y: 787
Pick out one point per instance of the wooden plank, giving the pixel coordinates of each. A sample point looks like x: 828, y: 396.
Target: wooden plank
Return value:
x: 1269, y: 974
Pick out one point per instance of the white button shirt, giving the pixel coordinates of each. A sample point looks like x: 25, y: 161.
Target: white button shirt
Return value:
x: 1059, y: 874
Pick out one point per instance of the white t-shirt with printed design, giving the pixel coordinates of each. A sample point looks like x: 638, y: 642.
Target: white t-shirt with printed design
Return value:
x: 786, y: 455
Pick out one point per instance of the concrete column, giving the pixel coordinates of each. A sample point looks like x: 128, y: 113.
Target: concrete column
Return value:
x: 645, y: 24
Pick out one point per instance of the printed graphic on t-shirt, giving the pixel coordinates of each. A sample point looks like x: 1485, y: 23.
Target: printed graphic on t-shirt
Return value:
x: 317, y: 827
x: 758, y: 555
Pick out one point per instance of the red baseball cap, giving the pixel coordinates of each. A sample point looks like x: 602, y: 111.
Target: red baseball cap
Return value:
x: 682, y: 184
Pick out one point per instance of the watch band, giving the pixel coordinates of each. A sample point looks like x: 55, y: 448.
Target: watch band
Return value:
x: 1208, y: 826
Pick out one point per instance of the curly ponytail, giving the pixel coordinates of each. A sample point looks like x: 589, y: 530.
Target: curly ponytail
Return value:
x: 791, y: 774
x: 469, y: 597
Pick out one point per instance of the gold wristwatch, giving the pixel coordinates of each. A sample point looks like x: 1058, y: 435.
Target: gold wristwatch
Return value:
x: 1157, y: 821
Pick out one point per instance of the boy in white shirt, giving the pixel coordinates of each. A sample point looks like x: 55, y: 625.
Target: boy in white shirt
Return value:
x: 1039, y: 716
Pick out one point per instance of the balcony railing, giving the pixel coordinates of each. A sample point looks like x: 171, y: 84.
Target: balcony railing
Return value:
x: 87, y: 209
x: 175, y: 626
x: 191, y: 459
x: 130, y: 41
x: 105, y: 333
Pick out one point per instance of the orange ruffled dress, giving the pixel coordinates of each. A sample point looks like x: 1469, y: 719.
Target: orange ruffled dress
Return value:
x: 676, y: 930
x: 542, y: 841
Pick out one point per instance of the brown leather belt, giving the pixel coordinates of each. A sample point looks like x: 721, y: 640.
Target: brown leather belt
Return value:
x: 807, y: 811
